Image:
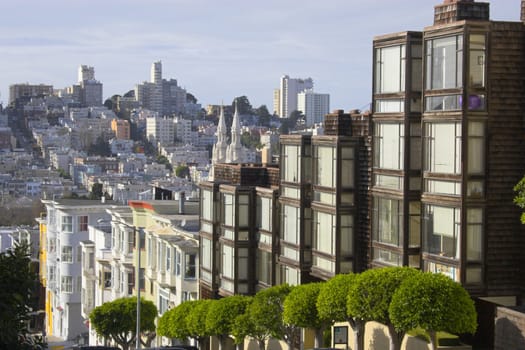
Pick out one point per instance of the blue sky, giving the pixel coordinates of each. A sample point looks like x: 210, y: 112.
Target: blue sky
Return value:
x: 216, y: 49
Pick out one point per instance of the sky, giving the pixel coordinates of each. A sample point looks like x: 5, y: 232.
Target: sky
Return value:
x: 215, y: 49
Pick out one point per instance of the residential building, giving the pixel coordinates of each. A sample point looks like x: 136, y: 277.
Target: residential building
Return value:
x: 26, y: 91
x: 287, y: 98
x: 121, y: 128
x: 160, y: 130
x: 314, y: 106
x: 66, y: 225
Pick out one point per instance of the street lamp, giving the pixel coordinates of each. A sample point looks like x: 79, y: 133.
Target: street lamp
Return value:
x: 137, y: 233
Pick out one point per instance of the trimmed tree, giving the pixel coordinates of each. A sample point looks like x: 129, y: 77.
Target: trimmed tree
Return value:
x: 221, y: 316
x: 300, y: 309
x: 264, y: 317
x: 435, y: 303
x: 370, y: 296
x: 331, y: 305
x: 173, y: 324
x: 116, y: 320
x: 196, y: 322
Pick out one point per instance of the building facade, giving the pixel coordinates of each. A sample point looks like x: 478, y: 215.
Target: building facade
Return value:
x: 288, y: 90
x: 314, y: 106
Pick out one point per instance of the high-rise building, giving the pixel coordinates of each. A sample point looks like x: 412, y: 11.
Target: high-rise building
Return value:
x: 86, y: 73
x: 27, y: 91
x: 314, y: 106
x: 287, y: 97
x: 88, y: 91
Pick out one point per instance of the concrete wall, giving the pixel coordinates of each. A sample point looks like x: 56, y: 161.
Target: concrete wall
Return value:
x: 509, y: 328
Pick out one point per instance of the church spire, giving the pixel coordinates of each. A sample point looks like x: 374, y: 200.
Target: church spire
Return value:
x: 234, y: 152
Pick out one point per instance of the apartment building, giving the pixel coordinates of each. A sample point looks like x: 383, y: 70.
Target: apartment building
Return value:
x: 66, y: 225
x: 314, y: 106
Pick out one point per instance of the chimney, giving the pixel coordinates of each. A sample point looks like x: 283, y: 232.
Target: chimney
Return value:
x: 457, y: 10
x: 182, y: 198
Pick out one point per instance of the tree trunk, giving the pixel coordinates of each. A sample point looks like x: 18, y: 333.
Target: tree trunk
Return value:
x: 433, y: 340
x: 395, y: 338
x: 262, y: 344
x: 203, y: 343
x: 221, y: 342
x: 318, y: 342
x: 358, y: 327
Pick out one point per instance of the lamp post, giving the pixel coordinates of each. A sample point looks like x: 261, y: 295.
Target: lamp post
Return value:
x: 137, y: 279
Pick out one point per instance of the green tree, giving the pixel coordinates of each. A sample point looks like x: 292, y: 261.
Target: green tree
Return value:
x: 173, y: 323
x: 264, y: 115
x: 17, y: 298
x: 116, y: 320
x: 370, y: 296
x: 243, y: 105
x: 331, y: 305
x: 182, y: 171
x: 519, y: 199
x: 191, y: 98
x: 96, y: 191
x: 163, y: 160
x: 221, y: 316
x: 100, y: 148
x: 196, y: 321
x: 264, y: 317
x: 300, y: 309
x: 433, y: 302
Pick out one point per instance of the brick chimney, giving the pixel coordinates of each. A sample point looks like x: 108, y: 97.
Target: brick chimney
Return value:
x: 458, y: 10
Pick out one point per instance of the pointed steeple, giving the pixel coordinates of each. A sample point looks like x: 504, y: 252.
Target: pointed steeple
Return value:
x: 235, y: 151
x: 221, y: 146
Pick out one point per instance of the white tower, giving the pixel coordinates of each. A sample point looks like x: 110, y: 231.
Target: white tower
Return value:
x: 234, y: 153
x: 156, y: 72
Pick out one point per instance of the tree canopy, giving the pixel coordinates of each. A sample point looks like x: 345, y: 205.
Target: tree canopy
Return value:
x: 196, y: 320
x: 17, y: 298
x: 433, y: 302
x: 519, y: 199
x: 222, y: 313
x: 243, y: 105
x: 116, y: 319
x: 300, y: 308
x: 174, y: 324
x: 371, y: 294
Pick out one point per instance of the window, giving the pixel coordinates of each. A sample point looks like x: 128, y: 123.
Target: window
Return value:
x: 228, y: 262
x: 243, y: 208
x: 443, y: 148
x: 106, y: 280
x: 443, y: 103
x: 67, y: 223
x: 415, y: 146
x: 131, y: 242
x: 389, y: 145
x: 444, y: 63
x: 390, y: 69
x: 326, y: 166
x: 51, y: 273
x: 441, y: 227
x: 207, y: 205
x: 388, y: 221
x: 324, y: 232
x: 91, y: 263
x: 477, y: 60
x: 67, y: 254
x: 51, y: 244
x: 389, y: 106
x: 347, y: 167
x: 228, y: 209
x: 476, y: 147
x: 264, y: 213
x: 474, y: 234
x: 168, y: 258
x: 190, y: 265
x: 291, y: 224
x: 79, y: 253
x: 163, y: 303
x: 83, y: 223
x: 290, y: 170
x: 66, y: 284
x: 206, y: 253
x: 347, y: 235
x: 414, y: 224
x: 177, y: 262
x: 264, y: 267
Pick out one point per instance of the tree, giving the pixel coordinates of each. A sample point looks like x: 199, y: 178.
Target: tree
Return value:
x: 163, y: 160
x: 264, y: 115
x: 242, y: 104
x: 331, y: 305
x: 196, y: 321
x: 264, y: 317
x: 370, y: 296
x: 190, y: 98
x: 300, y: 309
x: 116, y: 320
x: 96, y: 191
x: 519, y: 199
x: 433, y: 302
x: 182, y: 171
x: 100, y: 148
x: 173, y: 323
x: 221, y: 316
x: 17, y: 298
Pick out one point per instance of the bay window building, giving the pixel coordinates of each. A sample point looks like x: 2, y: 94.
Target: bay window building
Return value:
x: 396, y: 171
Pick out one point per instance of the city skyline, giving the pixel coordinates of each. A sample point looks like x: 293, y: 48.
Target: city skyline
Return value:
x: 215, y: 51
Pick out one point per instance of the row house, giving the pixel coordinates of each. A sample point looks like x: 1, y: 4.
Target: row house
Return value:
x: 65, y: 225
